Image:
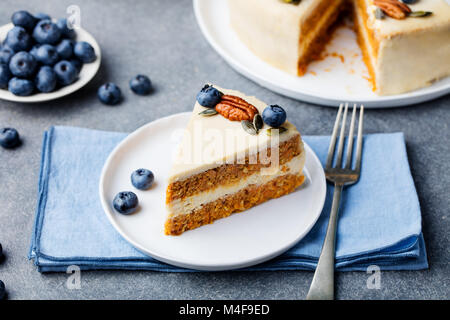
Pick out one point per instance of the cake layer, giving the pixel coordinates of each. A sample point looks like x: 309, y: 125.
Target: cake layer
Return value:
x: 189, y: 204
x: 227, y: 174
x: 239, y: 201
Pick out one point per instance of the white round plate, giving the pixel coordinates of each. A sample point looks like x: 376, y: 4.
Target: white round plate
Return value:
x: 241, y: 240
x: 330, y: 82
x: 87, y: 72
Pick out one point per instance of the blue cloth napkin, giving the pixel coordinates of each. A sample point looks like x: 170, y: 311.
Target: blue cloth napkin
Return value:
x: 379, y: 223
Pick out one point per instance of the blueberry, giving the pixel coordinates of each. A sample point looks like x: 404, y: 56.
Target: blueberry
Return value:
x: 6, y: 54
x: 65, y: 30
x: 209, y: 96
x: 2, y: 290
x: 409, y: 1
x: 18, y: 39
x: 65, y: 49
x: 125, y: 202
x: 9, y: 138
x: 77, y: 64
x: 20, y: 87
x: 109, y: 93
x: 46, y: 79
x: 23, y: 19
x: 22, y: 64
x: 84, y: 52
x: 1, y: 252
x: 42, y: 16
x: 141, y: 84
x: 5, y: 75
x: 46, y: 54
x: 142, y: 179
x: 66, y: 73
x: 46, y: 32
x: 274, y: 115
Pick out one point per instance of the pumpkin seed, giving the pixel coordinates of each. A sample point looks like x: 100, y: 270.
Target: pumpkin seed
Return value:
x: 420, y: 14
x: 208, y: 113
x: 281, y: 130
x: 258, y: 122
x: 249, y: 127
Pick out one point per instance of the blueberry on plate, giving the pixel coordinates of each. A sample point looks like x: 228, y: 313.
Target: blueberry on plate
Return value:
x: 77, y: 64
x: 42, y: 16
x: 5, y: 75
x: 2, y: 290
x: 65, y: 49
x: 126, y: 202
x: 66, y: 73
x: 46, y: 32
x: 18, y: 39
x: 22, y: 64
x: 109, y: 93
x: 6, y: 54
x: 20, y: 87
x: 66, y: 32
x: 142, y: 179
x: 209, y: 96
x: 46, y: 79
x: 84, y: 52
x: 141, y: 84
x: 46, y: 54
x: 274, y: 115
x: 23, y: 19
x: 9, y: 138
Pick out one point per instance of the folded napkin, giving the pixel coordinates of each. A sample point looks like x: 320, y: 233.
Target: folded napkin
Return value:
x: 379, y: 220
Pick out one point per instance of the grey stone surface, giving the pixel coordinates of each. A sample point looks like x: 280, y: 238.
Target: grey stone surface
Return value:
x: 162, y: 39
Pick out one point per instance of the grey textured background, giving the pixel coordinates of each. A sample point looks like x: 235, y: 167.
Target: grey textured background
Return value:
x: 162, y: 39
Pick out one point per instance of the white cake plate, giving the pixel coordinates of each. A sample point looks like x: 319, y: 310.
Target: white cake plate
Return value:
x: 241, y: 240
x: 327, y: 82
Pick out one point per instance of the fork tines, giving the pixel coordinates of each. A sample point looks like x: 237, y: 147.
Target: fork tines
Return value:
x: 342, y: 124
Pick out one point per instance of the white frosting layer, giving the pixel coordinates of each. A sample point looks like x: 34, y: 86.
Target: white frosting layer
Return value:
x: 186, y: 206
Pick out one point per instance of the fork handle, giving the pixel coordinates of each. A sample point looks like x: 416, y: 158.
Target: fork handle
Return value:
x: 322, y: 286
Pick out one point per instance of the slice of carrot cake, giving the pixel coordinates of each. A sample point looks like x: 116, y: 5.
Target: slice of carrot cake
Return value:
x: 236, y: 152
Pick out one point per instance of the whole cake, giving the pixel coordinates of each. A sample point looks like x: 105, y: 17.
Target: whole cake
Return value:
x: 405, y: 46
x: 236, y: 152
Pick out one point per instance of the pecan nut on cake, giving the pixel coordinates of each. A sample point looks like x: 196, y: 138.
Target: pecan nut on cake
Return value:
x: 236, y: 152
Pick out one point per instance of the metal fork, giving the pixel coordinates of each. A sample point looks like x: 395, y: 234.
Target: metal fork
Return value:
x: 322, y: 286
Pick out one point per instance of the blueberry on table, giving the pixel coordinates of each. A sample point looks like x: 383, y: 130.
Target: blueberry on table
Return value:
x: 209, y: 96
x: 46, y: 32
x: 109, y: 93
x: 142, y: 179
x: 66, y: 32
x: 2, y: 290
x: 46, y: 79
x: 66, y: 73
x: 125, y: 202
x: 42, y: 16
x: 141, y: 84
x: 274, y: 115
x: 65, y: 49
x: 84, y: 52
x: 9, y: 138
x: 46, y: 54
x: 5, y: 75
x: 22, y: 64
x: 18, y: 39
x: 20, y: 87
x: 23, y: 19
x: 1, y: 252
x: 6, y: 54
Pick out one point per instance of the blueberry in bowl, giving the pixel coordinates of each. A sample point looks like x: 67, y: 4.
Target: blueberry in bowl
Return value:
x: 84, y: 52
x: 20, y: 87
x: 46, y: 32
x: 274, y: 116
x: 42, y: 16
x: 46, y: 79
x: 66, y: 32
x: 77, y: 64
x: 5, y: 75
x: 23, y: 19
x: 9, y: 138
x: 17, y: 39
x: 142, y: 179
x: 66, y: 73
x: 6, y: 54
x: 22, y: 64
x: 65, y: 49
x: 109, y: 93
x: 126, y: 202
x: 46, y: 54
x: 209, y: 96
